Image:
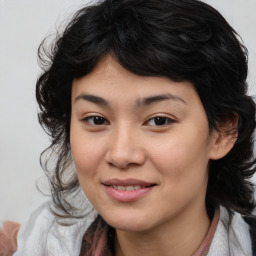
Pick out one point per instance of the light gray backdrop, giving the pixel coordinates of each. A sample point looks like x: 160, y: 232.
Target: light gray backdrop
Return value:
x: 23, y: 24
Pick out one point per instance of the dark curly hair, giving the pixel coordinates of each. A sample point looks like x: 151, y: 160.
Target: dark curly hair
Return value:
x: 184, y: 40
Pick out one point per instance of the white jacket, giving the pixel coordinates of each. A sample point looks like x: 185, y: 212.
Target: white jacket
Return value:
x: 41, y: 235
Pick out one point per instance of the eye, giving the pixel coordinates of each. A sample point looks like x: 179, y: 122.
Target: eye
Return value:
x: 95, y: 120
x: 159, y: 121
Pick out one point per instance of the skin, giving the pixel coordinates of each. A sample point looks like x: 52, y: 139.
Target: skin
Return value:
x: 170, y: 219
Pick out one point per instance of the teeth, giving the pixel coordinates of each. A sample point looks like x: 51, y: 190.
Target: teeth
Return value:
x: 127, y: 188
x: 133, y: 187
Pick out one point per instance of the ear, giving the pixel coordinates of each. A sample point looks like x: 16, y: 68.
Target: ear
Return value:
x: 224, y: 139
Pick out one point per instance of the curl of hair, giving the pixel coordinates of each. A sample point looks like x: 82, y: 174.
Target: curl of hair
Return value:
x: 184, y: 40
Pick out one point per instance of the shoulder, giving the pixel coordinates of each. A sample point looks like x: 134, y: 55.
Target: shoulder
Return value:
x: 251, y: 221
x: 233, y: 235
x: 43, y: 235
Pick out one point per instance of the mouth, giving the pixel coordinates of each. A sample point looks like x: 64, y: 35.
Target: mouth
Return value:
x: 127, y: 190
x: 127, y: 182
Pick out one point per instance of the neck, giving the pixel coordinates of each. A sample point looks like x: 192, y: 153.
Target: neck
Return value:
x: 180, y: 236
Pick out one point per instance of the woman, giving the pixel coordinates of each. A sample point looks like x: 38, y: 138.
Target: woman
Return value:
x: 146, y: 105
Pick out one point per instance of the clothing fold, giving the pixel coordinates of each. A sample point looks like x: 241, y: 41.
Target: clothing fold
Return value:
x: 43, y: 235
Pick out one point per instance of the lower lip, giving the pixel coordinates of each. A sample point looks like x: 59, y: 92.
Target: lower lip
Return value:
x: 127, y: 195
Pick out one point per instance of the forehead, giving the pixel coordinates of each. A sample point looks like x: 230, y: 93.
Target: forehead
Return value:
x: 112, y: 81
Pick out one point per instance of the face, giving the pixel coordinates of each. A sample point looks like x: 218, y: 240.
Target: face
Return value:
x: 141, y: 146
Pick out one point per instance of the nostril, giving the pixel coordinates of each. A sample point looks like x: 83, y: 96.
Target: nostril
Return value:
x: 124, y: 159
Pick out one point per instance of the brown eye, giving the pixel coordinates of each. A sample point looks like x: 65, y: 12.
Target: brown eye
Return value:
x: 159, y: 121
x: 96, y: 120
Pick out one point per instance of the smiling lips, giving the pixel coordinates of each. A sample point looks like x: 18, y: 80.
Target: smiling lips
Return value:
x: 127, y: 190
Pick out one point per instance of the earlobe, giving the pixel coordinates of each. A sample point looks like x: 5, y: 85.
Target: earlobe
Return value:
x: 224, y: 139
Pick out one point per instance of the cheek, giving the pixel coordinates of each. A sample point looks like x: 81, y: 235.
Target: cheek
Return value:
x: 86, y: 156
x: 86, y: 152
x: 183, y: 173
x: 182, y: 158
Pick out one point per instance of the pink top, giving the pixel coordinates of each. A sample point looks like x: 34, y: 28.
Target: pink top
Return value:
x: 97, y: 242
x: 206, y: 243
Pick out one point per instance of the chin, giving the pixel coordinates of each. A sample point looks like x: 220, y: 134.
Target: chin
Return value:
x: 125, y: 222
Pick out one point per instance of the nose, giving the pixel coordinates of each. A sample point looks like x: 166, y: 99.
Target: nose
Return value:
x: 125, y: 149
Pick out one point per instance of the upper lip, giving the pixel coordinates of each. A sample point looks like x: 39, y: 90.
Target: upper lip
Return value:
x: 126, y: 182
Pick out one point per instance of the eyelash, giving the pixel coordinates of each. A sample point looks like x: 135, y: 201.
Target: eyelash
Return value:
x: 95, y: 118
x: 167, y: 120
x: 103, y: 121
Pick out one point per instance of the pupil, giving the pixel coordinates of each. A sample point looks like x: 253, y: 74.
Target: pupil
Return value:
x: 160, y: 120
x: 98, y: 120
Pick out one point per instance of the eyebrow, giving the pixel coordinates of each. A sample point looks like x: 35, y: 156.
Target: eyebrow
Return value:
x: 157, y: 98
x: 92, y: 98
x: 139, y: 102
